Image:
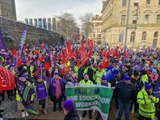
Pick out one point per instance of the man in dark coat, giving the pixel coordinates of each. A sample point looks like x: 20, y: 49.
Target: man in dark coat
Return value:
x: 70, y: 111
x: 126, y: 92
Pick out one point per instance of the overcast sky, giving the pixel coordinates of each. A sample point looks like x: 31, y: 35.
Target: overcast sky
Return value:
x: 51, y: 8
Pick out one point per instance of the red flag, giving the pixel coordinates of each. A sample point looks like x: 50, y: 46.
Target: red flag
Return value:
x: 42, y: 45
x: 125, y: 53
x: 19, y: 61
x: 62, y: 57
x: 47, y: 65
x: 84, y: 55
x: 69, y: 50
x: 90, y: 45
x: 7, y: 80
x: 105, y: 63
x: 65, y: 70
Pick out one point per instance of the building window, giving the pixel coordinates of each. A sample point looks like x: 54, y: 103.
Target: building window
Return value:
x: 123, y: 19
x: 155, y: 40
x: 99, y: 35
x: 136, y: 3
x: 94, y: 35
x: 158, y: 18
x: 155, y: 34
x: 121, y: 35
x: 124, y: 2
x: 135, y: 19
x: 146, y: 19
x: 148, y: 2
x: 132, y: 39
x: 144, y: 35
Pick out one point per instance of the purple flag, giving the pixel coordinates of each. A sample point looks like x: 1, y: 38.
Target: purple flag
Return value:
x: 23, y: 40
x: 156, y: 91
x: 3, y: 48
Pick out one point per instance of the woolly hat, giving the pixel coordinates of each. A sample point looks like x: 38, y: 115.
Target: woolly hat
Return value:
x: 56, y: 73
x: 39, y: 77
x: 126, y: 78
x: 115, y: 71
x: 68, y: 105
x: 154, y: 71
x: 148, y: 86
x: 104, y: 77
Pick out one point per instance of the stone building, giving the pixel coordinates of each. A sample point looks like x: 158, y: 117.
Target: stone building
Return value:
x: 143, y: 22
x: 7, y: 9
x: 96, y: 28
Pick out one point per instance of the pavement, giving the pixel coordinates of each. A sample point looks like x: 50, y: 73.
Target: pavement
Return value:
x: 11, y: 113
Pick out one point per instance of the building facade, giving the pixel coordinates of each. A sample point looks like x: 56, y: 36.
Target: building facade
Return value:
x: 8, y: 9
x: 44, y: 23
x: 96, y: 28
x: 141, y: 18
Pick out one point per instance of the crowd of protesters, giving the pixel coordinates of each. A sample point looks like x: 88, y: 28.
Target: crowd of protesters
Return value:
x: 135, y: 75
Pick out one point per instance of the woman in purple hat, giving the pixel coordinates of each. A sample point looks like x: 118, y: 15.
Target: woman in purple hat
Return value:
x: 56, y: 89
x: 70, y: 111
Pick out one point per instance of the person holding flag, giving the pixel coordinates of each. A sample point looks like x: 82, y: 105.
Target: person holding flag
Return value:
x: 106, y: 84
x: 85, y: 82
x: 20, y: 106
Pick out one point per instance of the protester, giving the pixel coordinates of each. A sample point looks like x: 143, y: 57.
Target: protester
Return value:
x: 106, y: 84
x: 41, y: 90
x: 69, y: 65
x: 147, y: 102
x: 20, y: 106
x: 84, y: 82
x: 70, y: 110
x: 126, y: 92
x: 56, y: 90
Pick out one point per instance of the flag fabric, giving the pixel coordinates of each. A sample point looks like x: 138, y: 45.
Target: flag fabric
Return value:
x: 109, y: 74
x: 84, y: 55
x: 125, y: 53
x: 90, y: 46
x: 156, y: 91
x: 23, y: 40
x: 18, y: 61
x: 91, y: 97
x: 7, y: 80
x: 105, y: 63
x: 42, y: 45
x: 69, y: 50
x: 25, y: 92
x: 3, y: 48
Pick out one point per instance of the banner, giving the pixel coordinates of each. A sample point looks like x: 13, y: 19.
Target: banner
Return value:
x: 156, y: 91
x: 22, y: 42
x: 7, y: 80
x: 91, y: 97
x: 3, y: 48
x: 25, y: 92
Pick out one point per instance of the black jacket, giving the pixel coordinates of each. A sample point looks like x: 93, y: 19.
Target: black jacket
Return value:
x: 125, y: 92
x: 72, y: 115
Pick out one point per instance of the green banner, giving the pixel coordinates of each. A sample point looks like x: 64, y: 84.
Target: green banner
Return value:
x: 91, y: 97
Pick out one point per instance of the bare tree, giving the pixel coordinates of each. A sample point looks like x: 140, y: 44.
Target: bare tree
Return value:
x: 86, y: 23
x: 67, y: 25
